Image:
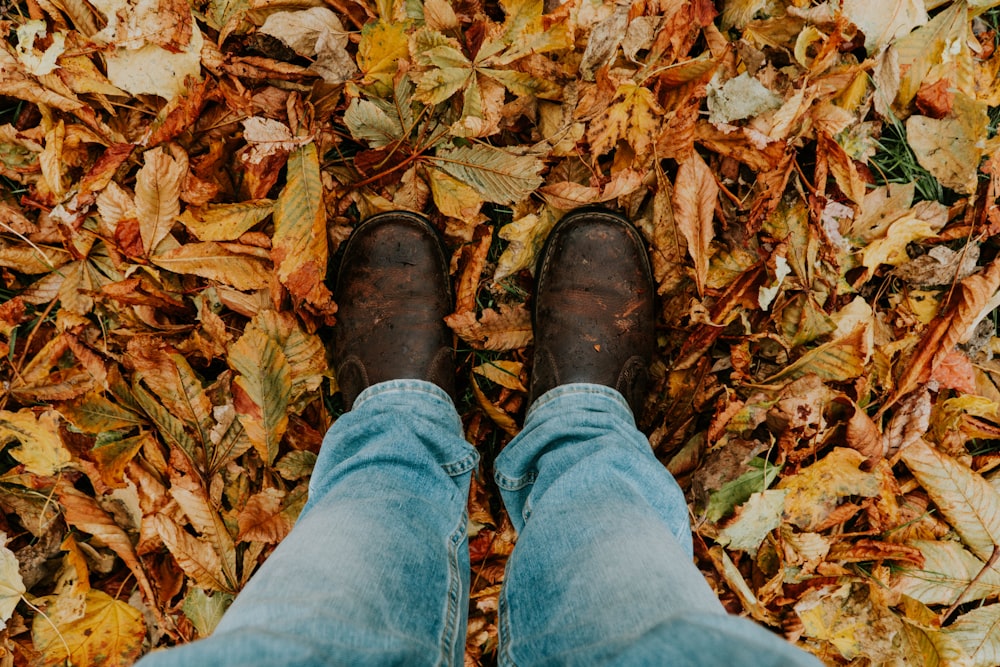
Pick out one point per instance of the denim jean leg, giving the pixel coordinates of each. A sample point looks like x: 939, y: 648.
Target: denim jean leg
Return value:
x: 376, y: 570
x: 602, y: 572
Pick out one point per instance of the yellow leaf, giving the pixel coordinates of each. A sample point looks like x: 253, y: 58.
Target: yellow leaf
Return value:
x: 504, y: 373
x: 11, y: 584
x: 853, y: 619
x: 262, y: 390
x: 213, y: 261
x: 669, y: 245
x: 506, y: 329
x: 883, y: 22
x: 304, y: 352
x: 172, y: 379
x: 113, y: 457
x: 636, y: 119
x: 153, y: 69
x: 816, y: 491
x: 225, y: 222
x: 299, y: 242
x: 439, y: 15
x: 839, y: 360
x: 754, y: 519
x: 381, y: 47
x: 927, y: 46
x: 525, y: 237
x: 694, y: 199
x: 32, y: 259
x: 41, y: 447
x: 452, y: 197
x: 965, y: 499
x: 82, y: 512
x: 499, y: 417
x: 498, y: 175
x: 157, y: 196
x: 109, y: 634
x: 892, y: 249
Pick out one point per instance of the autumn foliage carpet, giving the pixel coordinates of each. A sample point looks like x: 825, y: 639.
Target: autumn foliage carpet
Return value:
x: 817, y: 181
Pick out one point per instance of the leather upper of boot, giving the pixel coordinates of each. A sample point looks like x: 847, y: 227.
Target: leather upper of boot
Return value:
x: 393, y: 293
x: 594, y: 307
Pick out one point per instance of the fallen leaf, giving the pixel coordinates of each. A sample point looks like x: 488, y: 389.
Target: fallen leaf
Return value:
x: 973, y: 639
x: 525, y: 237
x: 754, y: 519
x: 951, y: 148
x: 196, y: 557
x: 110, y: 634
x: 157, y: 196
x: 40, y: 448
x: 504, y: 373
x: 882, y: 24
x: 635, y: 120
x: 216, y: 262
x: 694, y: 199
x: 205, y: 611
x: 967, y: 500
x: 299, y: 242
x: 737, y: 98
x: 947, y: 573
x: 506, y: 329
x: 737, y: 491
x: 225, y: 222
x: 150, y: 68
x: 264, y: 389
x: 11, y: 585
x: 262, y: 519
x: 497, y: 175
x: 815, y: 491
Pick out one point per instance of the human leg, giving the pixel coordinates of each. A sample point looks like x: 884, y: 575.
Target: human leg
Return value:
x: 602, y: 572
x: 375, y: 571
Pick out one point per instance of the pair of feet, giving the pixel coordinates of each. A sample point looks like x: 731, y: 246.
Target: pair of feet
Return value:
x: 592, y: 313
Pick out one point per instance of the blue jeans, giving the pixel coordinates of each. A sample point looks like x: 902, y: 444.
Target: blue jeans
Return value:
x: 376, y: 570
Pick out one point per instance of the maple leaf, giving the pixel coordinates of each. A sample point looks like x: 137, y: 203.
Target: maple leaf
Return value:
x: 635, y: 119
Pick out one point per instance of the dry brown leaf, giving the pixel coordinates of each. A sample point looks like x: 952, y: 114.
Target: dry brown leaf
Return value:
x: 694, y: 199
x: 157, y: 196
x: 196, y: 557
x: 966, y: 500
x: 506, y: 329
x: 82, y: 512
x: 262, y: 518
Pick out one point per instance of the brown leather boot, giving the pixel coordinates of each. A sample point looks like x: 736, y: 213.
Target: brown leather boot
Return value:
x: 593, y: 311
x: 392, y: 294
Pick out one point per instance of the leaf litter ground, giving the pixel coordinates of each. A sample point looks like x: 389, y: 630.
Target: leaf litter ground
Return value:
x: 818, y: 185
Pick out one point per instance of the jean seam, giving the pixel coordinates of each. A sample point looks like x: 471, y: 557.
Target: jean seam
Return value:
x: 504, y: 657
x: 462, y: 465
x: 453, y: 613
x: 511, y: 484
